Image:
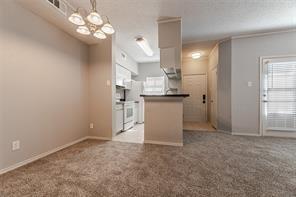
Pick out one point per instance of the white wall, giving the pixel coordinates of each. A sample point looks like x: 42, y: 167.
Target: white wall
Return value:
x: 224, y: 87
x: 102, y: 88
x: 154, y: 70
x: 194, y: 66
x: 245, y: 67
x: 214, y: 58
x: 213, y: 64
x: 237, y: 62
x: 127, y: 62
x: 44, y: 85
x: 148, y: 70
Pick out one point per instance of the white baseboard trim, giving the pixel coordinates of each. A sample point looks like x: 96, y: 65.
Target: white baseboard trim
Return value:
x: 226, y: 132
x: 32, y: 159
x: 162, y: 143
x: 35, y: 158
x: 99, y: 138
x: 245, y: 134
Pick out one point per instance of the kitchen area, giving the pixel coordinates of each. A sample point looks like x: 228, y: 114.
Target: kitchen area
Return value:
x: 133, y: 80
x: 131, y: 84
x: 129, y: 105
x: 149, y: 98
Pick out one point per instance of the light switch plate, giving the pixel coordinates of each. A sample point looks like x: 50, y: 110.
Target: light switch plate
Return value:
x: 250, y: 83
x: 16, y: 145
x: 108, y: 83
x: 91, y: 125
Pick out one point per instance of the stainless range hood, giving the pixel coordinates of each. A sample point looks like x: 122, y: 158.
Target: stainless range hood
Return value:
x: 170, y: 45
x: 172, y: 73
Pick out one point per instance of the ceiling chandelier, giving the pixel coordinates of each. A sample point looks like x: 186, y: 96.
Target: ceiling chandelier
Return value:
x: 93, y: 23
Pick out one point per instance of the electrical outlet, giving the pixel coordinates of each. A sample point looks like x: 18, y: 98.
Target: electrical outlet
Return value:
x: 16, y: 145
x: 91, y: 125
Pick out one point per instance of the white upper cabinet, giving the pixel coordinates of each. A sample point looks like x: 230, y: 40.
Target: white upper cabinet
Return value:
x: 125, y: 61
x: 119, y: 76
x: 168, y: 57
x: 170, y: 42
x: 123, y: 77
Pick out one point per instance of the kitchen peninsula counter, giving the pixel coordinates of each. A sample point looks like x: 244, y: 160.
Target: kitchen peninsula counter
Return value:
x: 164, y: 119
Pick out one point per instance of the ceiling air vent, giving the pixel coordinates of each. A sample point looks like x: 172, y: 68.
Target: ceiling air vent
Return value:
x: 59, y: 5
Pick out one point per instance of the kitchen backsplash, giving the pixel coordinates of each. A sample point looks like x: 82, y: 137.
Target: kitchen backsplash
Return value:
x: 120, y: 91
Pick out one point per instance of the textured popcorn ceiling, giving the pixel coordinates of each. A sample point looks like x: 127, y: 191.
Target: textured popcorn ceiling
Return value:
x: 202, y: 19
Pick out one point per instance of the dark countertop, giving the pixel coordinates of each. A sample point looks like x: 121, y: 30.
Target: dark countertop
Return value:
x: 165, y: 95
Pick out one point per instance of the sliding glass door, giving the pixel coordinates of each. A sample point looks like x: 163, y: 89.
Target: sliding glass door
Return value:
x: 279, y: 97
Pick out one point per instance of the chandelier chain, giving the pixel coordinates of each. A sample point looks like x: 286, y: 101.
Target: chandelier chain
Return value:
x: 93, y: 4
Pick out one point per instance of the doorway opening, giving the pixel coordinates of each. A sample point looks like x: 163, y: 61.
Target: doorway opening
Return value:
x: 195, y: 106
x: 129, y: 113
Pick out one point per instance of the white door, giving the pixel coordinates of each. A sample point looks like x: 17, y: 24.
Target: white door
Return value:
x: 213, y: 99
x: 278, y: 95
x: 195, y: 104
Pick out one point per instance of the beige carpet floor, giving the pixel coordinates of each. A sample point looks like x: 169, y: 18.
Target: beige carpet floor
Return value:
x: 209, y: 164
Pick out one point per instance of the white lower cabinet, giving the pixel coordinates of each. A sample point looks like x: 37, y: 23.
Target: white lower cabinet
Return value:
x: 136, y: 113
x: 119, y: 117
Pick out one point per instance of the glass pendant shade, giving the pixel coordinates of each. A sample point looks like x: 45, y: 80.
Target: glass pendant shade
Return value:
x: 83, y: 30
x: 99, y: 34
x: 76, y: 19
x: 95, y: 18
x: 108, y: 29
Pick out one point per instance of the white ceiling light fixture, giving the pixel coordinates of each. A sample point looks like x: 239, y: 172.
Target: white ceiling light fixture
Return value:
x: 83, y: 30
x: 95, y: 18
x: 76, y: 19
x: 99, y: 34
x: 196, y: 55
x: 143, y: 43
x: 107, y: 28
x: 93, y: 23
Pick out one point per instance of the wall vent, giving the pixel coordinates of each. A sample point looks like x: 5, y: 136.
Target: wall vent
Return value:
x: 59, y: 5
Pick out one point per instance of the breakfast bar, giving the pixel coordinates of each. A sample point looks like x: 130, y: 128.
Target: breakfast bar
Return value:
x: 164, y: 119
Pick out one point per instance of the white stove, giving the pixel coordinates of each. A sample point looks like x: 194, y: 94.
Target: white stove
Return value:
x: 128, y: 118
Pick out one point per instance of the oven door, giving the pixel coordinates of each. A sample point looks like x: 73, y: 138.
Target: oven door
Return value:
x: 128, y: 113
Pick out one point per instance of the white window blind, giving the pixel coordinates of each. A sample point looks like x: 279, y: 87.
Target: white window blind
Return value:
x: 154, y: 85
x: 281, y: 96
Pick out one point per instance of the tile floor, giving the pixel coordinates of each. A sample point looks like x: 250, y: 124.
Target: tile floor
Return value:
x: 134, y: 135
